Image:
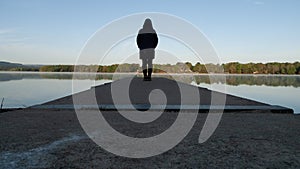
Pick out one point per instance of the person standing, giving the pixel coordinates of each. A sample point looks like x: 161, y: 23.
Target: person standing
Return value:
x: 147, y: 41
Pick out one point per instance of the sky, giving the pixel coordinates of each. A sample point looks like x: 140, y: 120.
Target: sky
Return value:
x: 55, y: 31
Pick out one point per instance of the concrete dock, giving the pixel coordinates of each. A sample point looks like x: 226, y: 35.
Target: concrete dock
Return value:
x: 139, y: 91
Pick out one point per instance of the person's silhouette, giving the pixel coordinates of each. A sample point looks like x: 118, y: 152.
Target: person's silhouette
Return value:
x: 147, y: 41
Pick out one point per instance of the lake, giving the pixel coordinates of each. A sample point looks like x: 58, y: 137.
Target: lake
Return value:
x: 23, y: 89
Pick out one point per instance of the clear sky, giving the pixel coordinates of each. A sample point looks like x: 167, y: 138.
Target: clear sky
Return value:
x: 54, y: 31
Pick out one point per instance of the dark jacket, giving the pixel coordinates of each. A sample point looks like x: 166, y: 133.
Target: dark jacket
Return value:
x: 146, y: 40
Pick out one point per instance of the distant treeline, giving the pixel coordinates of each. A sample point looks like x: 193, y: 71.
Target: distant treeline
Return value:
x: 231, y: 68
x: 260, y: 68
x: 247, y: 68
x: 8, y: 66
x: 92, y: 68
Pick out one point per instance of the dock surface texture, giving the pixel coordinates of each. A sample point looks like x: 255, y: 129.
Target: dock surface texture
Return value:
x: 161, y: 93
x: 53, y: 137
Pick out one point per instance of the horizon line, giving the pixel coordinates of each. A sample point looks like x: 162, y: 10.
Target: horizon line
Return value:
x: 44, y: 64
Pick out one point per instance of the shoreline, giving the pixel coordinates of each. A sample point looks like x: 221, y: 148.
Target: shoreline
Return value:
x: 140, y: 73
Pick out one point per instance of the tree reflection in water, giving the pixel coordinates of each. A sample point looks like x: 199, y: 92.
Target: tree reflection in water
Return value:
x: 234, y: 80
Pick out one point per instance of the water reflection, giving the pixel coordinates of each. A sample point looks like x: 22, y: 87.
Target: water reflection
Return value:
x: 258, y: 80
x: 7, y: 76
x: 234, y: 80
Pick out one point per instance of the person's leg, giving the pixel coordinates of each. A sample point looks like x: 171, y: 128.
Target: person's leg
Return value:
x: 144, y: 67
x: 150, y: 68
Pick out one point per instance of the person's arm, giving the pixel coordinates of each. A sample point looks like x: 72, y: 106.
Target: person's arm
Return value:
x: 155, y: 40
x: 139, y: 40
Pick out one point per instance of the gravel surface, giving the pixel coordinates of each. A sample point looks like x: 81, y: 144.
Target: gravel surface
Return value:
x: 36, y: 138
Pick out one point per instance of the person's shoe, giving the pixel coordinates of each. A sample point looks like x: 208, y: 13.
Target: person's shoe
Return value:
x: 147, y: 78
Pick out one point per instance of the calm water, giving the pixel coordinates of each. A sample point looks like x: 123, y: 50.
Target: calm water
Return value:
x: 25, y: 89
